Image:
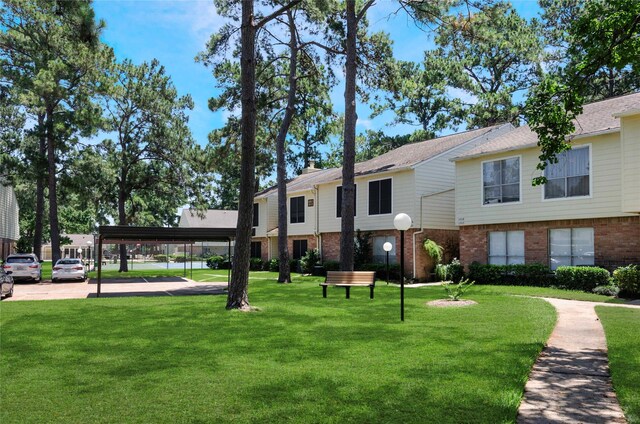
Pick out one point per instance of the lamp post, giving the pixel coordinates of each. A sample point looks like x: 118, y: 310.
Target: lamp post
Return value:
x: 89, y: 243
x: 402, y: 222
x: 387, y: 248
x: 79, y: 253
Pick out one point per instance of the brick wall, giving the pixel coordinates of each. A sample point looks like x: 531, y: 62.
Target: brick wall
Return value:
x: 616, y: 240
x: 264, y: 247
x: 446, y: 238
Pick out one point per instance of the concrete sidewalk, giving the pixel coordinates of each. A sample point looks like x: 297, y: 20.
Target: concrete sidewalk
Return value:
x: 570, y: 381
x: 163, y: 286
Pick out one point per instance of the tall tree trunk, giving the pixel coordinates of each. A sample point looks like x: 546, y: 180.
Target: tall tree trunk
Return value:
x: 122, y: 218
x: 41, y: 177
x: 238, y: 297
x: 349, y: 148
x: 53, y: 193
x: 284, y: 275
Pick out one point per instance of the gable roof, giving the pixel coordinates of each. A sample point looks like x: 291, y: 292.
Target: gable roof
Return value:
x: 213, y: 219
x: 404, y: 157
x: 596, y: 118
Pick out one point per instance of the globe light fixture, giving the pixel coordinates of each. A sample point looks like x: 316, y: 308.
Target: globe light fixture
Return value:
x: 402, y: 222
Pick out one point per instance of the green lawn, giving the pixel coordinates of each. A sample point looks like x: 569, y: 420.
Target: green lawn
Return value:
x: 547, y: 292
x: 301, y: 358
x: 622, y: 328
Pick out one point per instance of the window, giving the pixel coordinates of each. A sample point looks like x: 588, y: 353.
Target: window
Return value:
x: 501, y: 181
x: 256, y: 249
x: 296, y: 209
x: 256, y: 214
x: 380, y: 197
x: 570, y: 176
x: 506, y: 247
x: 339, y: 201
x: 571, y: 246
x: 299, y: 248
x: 379, y: 255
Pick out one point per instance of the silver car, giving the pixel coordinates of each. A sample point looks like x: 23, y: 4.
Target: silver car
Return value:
x: 6, y: 284
x: 24, y: 266
x: 68, y: 269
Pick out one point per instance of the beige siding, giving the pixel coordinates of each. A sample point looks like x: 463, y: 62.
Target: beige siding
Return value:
x: 604, y: 201
x: 630, y: 160
x: 261, y: 229
x: 272, y: 212
x: 8, y: 214
x: 305, y: 228
x: 403, y: 200
x: 438, y: 210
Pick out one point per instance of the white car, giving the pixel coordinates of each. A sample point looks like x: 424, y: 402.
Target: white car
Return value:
x: 24, y: 266
x: 68, y: 269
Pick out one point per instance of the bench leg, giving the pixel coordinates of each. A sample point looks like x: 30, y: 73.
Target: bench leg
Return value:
x: 324, y: 291
x: 348, y: 292
x: 371, y: 293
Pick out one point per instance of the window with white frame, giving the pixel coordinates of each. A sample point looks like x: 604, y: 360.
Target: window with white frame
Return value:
x: 296, y: 210
x: 256, y: 214
x: 380, y: 197
x: 501, y: 181
x: 569, y: 177
x: 379, y: 255
x: 571, y: 246
x: 506, y: 247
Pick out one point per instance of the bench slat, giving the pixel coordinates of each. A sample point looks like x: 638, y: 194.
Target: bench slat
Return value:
x: 348, y: 279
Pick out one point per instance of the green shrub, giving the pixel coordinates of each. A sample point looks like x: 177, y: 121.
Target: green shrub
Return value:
x: 309, y: 261
x: 450, y: 272
x: 255, y: 264
x: 180, y: 257
x: 294, y: 265
x: 160, y: 258
x: 362, y: 249
x: 215, y: 262
x: 585, y: 278
x: 511, y: 275
x: 628, y: 279
x: 331, y: 265
x: 381, y: 270
x: 608, y: 290
x: 274, y: 265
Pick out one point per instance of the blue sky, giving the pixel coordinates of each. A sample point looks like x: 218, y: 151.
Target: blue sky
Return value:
x: 174, y: 32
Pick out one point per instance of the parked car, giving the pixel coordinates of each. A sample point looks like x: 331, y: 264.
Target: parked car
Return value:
x: 6, y: 284
x: 68, y: 269
x: 24, y: 266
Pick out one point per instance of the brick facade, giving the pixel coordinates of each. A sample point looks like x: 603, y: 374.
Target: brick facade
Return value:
x: 616, y: 240
x: 7, y: 247
x: 446, y: 238
x: 264, y: 247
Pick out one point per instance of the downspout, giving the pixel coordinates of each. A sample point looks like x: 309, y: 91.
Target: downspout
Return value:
x: 317, y: 229
x: 422, y: 226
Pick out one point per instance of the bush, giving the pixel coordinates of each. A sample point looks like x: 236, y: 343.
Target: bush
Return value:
x: 455, y: 291
x: 255, y: 264
x: 274, y: 265
x: 608, y: 290
x: 180, y: 258
x: 331, y: 265
x: 585, y: 278
x: 434, y: 250
x: 215, y: 262
x: 511, y: 275
x: 309, y: 261
x: 160, y: 258
x: 628, y: 279
x: 381, y: 270
x: 451, y: 272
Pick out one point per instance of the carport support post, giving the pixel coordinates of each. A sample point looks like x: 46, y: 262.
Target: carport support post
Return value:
x: 191, y: 261
x: 184, y: 246
x: 99, y: 265
x: 229, y: 272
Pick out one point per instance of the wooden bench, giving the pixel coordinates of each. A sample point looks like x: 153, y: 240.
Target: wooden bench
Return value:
x: 348, y: 279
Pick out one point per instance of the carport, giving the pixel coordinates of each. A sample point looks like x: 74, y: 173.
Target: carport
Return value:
x: 120, y: 234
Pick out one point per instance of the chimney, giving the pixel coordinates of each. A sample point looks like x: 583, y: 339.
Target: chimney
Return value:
x: 311, y: 168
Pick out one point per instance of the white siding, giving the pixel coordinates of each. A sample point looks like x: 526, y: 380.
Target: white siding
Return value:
x: 261, y: 229
x: 403, y: 200
x: 630, y: 160
x: 8, y: 214
x: 605, y: 199
x: 297, y: 229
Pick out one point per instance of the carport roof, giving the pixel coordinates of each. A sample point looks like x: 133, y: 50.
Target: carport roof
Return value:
x: 121, y: 234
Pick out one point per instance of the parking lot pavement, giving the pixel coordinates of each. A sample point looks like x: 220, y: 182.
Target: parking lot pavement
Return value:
x: 175, y: 286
